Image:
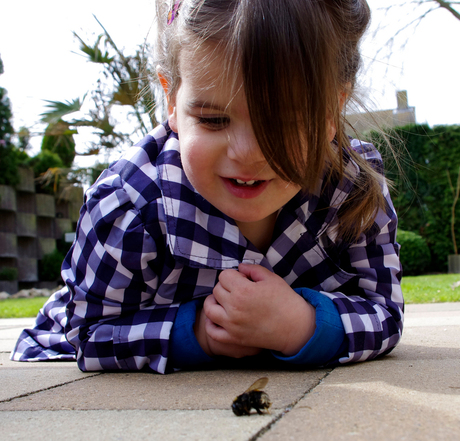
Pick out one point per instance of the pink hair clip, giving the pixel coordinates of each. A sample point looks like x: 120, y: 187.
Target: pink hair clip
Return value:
x: 173, y: 12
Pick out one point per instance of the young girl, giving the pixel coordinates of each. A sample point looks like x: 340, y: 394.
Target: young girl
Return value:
x: 248, y: 224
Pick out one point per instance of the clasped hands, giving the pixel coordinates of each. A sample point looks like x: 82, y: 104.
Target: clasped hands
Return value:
x: 251, y: 309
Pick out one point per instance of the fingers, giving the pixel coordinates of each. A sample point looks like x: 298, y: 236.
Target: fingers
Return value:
x: 221, y: 343
x: 231, y: 279
x: 220, y: 330
x: 256, y: 273
x: 233, y: 310
x: 215, y: 311
x: 217, y: 333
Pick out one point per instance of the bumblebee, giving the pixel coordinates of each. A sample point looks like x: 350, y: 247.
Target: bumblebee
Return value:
x: 252, y: 398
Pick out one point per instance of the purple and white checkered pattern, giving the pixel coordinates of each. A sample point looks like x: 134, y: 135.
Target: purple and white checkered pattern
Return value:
x: 147, y: 242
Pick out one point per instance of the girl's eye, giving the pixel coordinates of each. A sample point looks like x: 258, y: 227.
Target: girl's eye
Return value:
x: 214, y: 123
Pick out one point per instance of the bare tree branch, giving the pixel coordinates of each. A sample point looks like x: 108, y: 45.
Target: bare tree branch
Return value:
x: 401, y: 20
x: 448, y: 7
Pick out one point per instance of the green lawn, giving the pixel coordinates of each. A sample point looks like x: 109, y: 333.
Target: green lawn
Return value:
x: 15, y: 308
x: 419, y: 289
x: 431, y: 289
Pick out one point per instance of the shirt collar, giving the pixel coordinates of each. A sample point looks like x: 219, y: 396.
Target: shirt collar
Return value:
x: 197, y: 232
x: 202, y: 236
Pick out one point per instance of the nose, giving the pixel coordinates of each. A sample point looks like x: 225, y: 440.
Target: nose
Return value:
x: 243, y: 147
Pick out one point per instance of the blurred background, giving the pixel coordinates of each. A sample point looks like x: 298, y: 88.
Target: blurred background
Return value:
x: 71, y: 77
x: 406, y: 48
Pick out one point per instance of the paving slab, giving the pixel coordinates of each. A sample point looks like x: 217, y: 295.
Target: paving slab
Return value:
x: 19, y: 379
x: 23, y: 379
x: 10, y: 330
x: 384, y: 400
x: 194, y: 425
x: 413, y: 393
x: 17, y: 322
x: 200, y: 390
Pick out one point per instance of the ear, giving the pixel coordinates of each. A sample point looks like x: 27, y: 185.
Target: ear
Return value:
x: 172, y: 118
x: 343, y: 96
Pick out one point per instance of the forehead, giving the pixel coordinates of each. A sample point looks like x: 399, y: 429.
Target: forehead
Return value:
x: 206, y: 71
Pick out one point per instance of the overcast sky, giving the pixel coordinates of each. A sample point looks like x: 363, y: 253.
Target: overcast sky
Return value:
x: 428, y: 66
x: 41, y: 60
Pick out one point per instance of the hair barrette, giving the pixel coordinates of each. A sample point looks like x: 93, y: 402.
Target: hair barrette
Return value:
x: 173, y: 11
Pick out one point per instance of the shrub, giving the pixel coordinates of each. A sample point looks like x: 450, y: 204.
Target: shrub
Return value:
x: 49, y: 268
x: 9, y: 163
x: 58, y: 139
x: 415, y: 254
x: 62, y: 246
x: 41, y: 163
x: 8, y: 273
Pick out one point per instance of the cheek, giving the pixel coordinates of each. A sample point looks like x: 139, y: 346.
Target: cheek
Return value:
x: 187, y: 159
x: 194, y: 161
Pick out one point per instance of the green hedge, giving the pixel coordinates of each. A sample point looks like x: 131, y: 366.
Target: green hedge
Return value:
x: 415, y: 254
x: 422, y: 193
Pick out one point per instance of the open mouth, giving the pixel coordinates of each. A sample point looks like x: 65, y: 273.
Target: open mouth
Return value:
x: 252, y: 183
x: 245, y: 189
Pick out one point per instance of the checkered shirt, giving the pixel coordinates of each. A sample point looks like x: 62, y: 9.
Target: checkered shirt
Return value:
x: 147, y: 241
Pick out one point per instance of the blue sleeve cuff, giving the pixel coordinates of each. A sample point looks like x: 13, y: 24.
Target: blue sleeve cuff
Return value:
x: 184, y: 349
x: 329, y: 338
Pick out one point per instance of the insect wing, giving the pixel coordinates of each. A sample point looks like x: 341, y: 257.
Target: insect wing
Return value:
x: 257, y: 385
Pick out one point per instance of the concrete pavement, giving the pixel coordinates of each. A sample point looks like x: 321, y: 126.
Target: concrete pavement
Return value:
x: 412, y: 394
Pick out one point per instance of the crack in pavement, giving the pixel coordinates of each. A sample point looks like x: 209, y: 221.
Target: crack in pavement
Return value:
x: 28, y: 394
x: 288, y: 408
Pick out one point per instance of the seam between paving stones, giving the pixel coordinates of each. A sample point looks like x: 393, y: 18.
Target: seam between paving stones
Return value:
x: 288, y: 408
x: 28, y: 394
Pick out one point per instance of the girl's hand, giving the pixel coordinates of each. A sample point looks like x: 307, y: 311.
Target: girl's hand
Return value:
x: 255, y: 308
x: 213, y: 347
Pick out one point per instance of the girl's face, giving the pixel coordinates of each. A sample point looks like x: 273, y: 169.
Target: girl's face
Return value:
x: 219, y: 151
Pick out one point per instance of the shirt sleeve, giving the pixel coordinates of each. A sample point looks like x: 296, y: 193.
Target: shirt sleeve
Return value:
x: 370, y: 302
x: 329, y: 338
x: 185, y: 351
x: 113, y: 319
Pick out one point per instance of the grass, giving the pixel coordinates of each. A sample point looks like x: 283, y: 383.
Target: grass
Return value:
x: 18, y: 308
x: 431, y: 289
x: 416, y: 289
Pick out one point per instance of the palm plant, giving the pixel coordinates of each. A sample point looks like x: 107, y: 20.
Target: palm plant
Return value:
x: 125, y: 82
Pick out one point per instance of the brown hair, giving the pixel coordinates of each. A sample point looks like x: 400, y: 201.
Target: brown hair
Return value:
x: 296, y: 58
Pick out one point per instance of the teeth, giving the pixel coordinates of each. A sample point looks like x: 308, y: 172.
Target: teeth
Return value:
x: 239, y: 181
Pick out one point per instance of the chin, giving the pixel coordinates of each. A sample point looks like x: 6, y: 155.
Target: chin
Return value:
x: 246, y: 219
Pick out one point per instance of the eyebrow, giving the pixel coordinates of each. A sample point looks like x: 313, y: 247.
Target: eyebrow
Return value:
x: 194, y: 104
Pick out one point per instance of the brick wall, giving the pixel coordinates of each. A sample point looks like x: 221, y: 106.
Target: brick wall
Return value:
x: 30, y: 224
